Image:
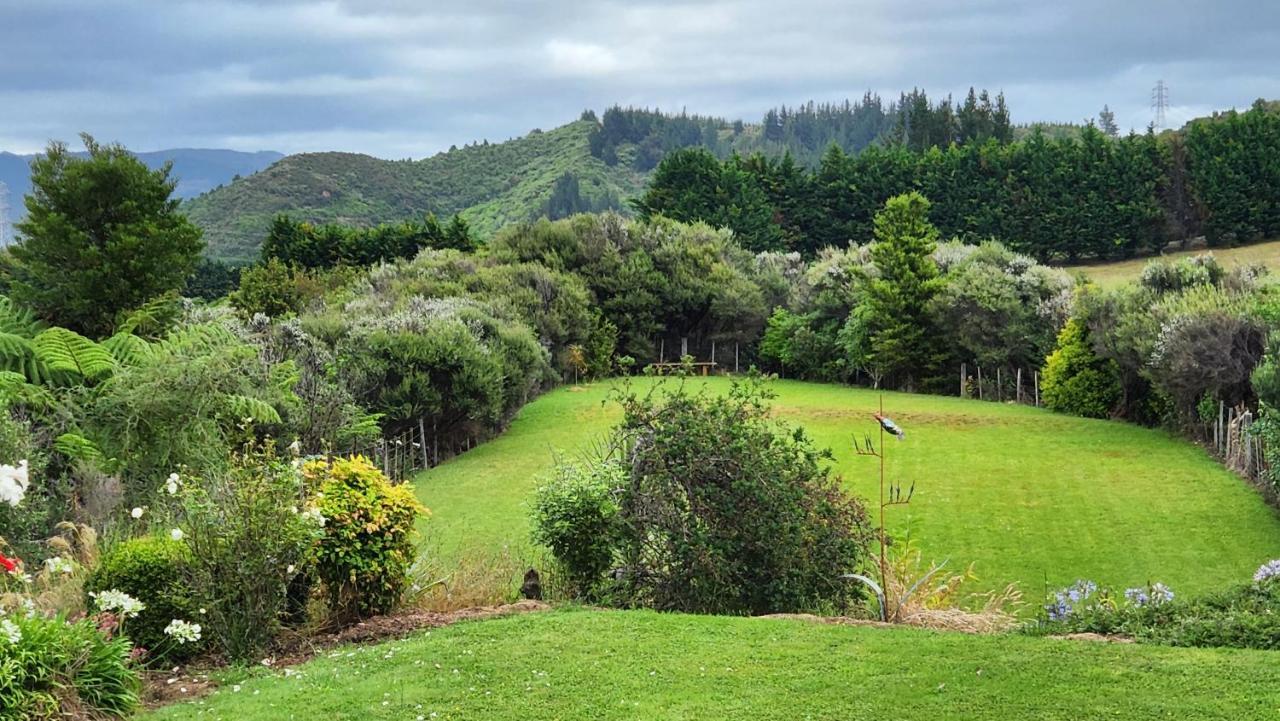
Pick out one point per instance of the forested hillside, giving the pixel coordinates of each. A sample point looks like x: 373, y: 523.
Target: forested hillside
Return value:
x: 490, y: 184
x: 596, y: 163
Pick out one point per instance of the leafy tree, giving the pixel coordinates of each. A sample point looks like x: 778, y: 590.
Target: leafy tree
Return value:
x: 896, y: 312
x: 102, y: 236
x: 267, y: 289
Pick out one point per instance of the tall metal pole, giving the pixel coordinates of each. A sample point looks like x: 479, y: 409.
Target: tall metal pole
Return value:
x: 884, y: 567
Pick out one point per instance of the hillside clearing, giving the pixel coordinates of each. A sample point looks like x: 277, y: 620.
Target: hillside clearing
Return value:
x: 1125, y: 271
x: 642, y: 665
x: 1026, y: 495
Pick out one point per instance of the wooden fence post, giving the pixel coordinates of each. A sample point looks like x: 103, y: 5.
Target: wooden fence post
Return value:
x: 999, y: 390
x: 1036, y: 382
x: 963, y: 376
x: 422, y: 437
x: 1018, y: 393
x: 735, y: 356
x: 979, y: 382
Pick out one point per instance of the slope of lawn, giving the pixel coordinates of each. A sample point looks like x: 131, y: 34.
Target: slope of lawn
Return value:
x: 1125, y: 271
x: 594, y: 665
x: 1024, y: 494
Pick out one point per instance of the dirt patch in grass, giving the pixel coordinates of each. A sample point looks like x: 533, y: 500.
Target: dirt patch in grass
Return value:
x: 181, y: 684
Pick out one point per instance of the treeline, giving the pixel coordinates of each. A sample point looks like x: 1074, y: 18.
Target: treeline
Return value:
x: 1054, y: 199
x: 307, y: 245
x: 644, y: 137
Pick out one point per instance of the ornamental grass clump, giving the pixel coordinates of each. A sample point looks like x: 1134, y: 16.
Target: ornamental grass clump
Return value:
x: 367, y: 542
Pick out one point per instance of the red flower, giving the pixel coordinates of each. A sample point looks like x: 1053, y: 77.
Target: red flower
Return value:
x: 9, y: 564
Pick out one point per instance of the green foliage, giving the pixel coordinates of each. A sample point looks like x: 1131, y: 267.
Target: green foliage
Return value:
x: 182, y: 403
x: 249, y: 539
x: 156, y: 571
x: 1238, y: 616
x: 267, y: 289
x: 897, y: 298
x: 368, y: 544
x: 102, y: 235
x: 1075, y: 380
x: 491, y: 184
x: 65, y: 669
x: 575, y: 514
x: 651, y: 279
x: 212, y: 279
x: 720, y: 509
x: 1233, y: 169
x: 300, y: 244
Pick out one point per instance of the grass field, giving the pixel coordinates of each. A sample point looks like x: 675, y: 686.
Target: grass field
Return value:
x: 595, y: 665
x: 1112, y: 274
x: 1027, y: 495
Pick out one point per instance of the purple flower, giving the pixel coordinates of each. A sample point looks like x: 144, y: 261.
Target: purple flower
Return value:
x: 1270, y: 569
x: 1137, y: 596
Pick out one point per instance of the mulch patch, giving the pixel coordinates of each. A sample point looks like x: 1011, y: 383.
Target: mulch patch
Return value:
x: 162, y: 687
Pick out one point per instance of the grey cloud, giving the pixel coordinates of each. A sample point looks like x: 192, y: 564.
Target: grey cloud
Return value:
x: 401, y: 78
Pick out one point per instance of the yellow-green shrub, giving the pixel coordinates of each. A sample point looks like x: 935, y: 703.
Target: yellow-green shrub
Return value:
x: 367, y: 548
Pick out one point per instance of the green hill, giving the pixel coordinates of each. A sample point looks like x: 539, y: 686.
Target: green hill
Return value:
x: 490, y: 184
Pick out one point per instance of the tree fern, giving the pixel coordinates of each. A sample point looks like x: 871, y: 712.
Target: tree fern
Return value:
x: 153, y: 319
x: 71, y: 358
x: 17, y: 320
x: 77, y: 447
x: 14, y: 389
x: 128, y: 350
x: 255, y: 409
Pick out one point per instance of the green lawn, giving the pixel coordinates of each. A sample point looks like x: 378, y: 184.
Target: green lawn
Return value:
x: 594, y: 665
x: 1112, y: 274
x: 1028, y: 495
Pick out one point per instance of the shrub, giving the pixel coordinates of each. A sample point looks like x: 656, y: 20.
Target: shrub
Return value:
x: 154, y: 570
x: 720, y: 509
x: 1240, y: 616
x: 575, y: 514
x: 1075, y: 380
x: 367, y: 548
x: 248, y: 540
x: 53, y: 669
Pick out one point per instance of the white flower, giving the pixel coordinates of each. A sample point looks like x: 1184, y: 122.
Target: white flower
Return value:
x: 59, y: 564
x: 176, y: 534
x: 10, y: 632
x: 289, y: 570
x: 29, y: 608
x: 296, y: 447
x: 136, y: 512
x: 172, y: 484
x: 13, y: 483
x: 183, y: 632
x: 235, y: 688
x: 315, y: 516
x: 115, y: 600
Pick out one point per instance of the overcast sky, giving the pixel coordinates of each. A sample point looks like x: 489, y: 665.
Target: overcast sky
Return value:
x: 407, y: 78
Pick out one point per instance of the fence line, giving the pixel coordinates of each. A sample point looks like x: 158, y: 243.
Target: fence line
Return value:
x: 1006, y: 387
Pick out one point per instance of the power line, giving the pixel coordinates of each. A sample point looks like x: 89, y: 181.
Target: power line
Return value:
x: 1159, y: 103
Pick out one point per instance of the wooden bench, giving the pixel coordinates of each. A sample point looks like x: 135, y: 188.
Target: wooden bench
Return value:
x: 703, y: 368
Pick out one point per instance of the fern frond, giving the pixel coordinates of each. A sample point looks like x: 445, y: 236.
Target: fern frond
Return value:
x: 14, y: 388
x: 70, y: 357
x: 128, y: 350
x: 18, y: 320
x: 196, y: 339
x: 252, y: 408
x: 15, y: 352
x: 154, y: 318
x: 77, y: 447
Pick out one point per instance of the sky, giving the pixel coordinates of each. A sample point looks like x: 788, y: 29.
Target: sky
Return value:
x: 406, y: 78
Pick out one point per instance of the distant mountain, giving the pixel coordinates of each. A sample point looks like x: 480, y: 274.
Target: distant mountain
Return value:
x: 489, y: 184
x: 197, y: 170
